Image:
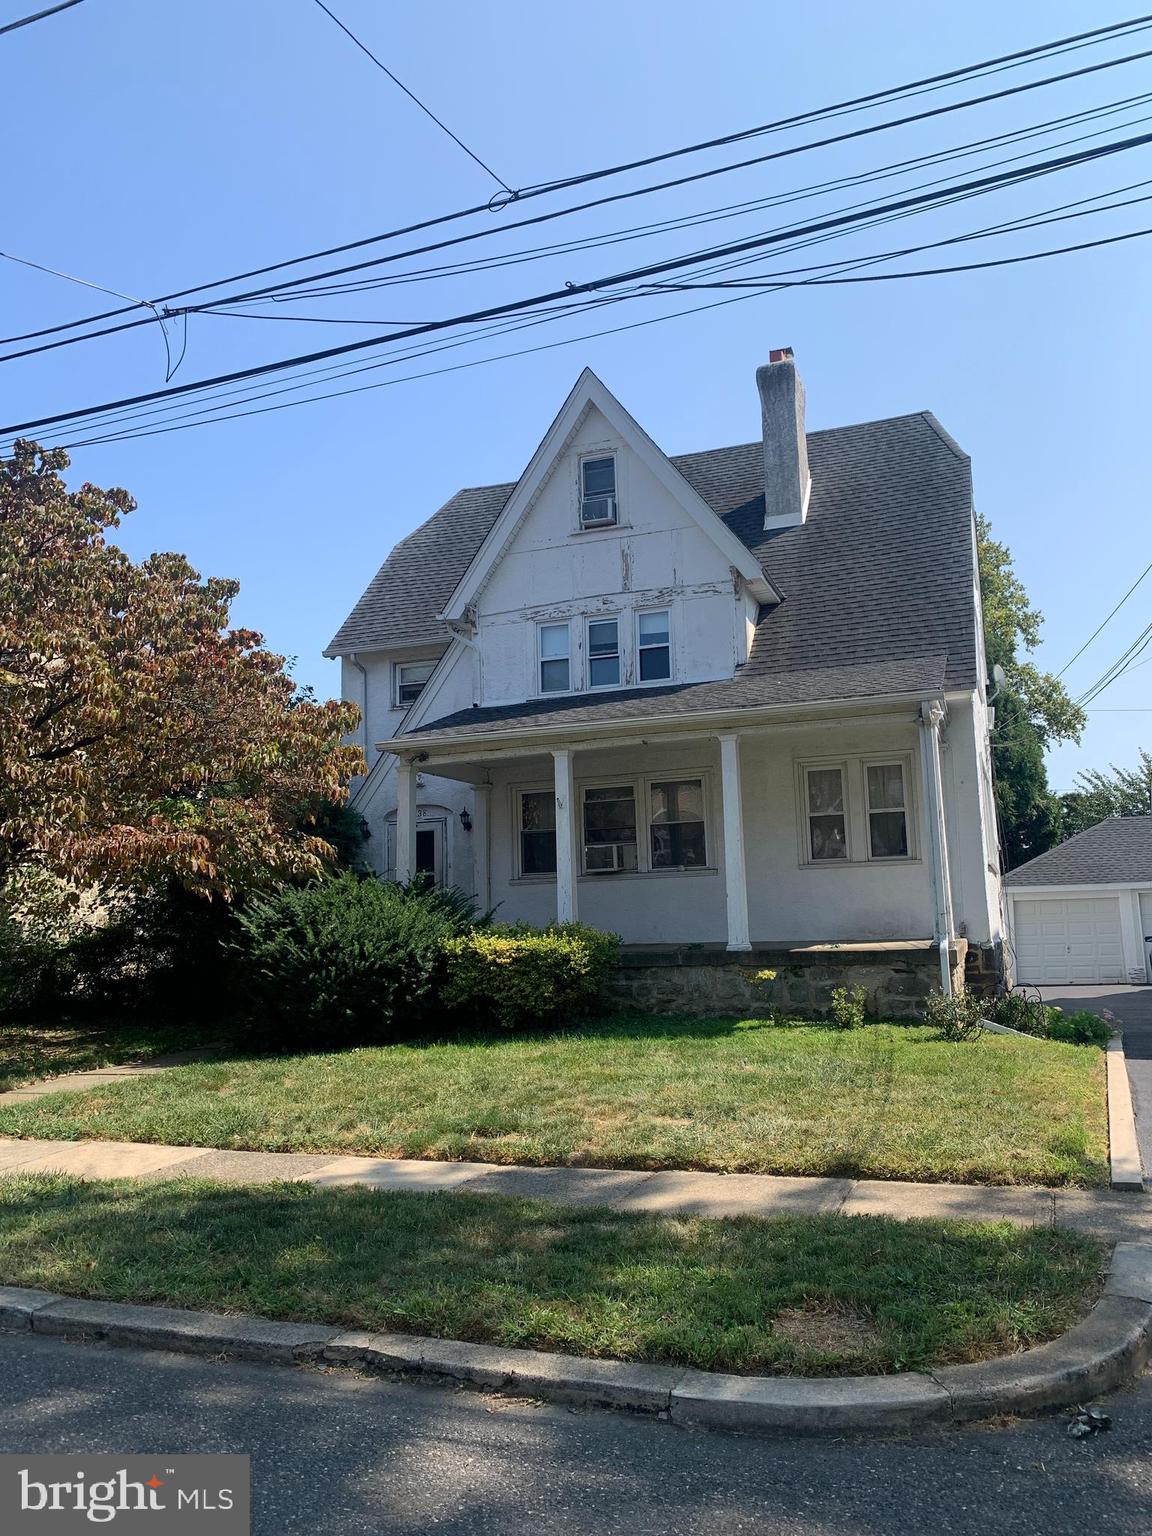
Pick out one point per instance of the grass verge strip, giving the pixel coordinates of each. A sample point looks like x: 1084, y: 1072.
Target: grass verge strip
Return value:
x: 800, y: 1295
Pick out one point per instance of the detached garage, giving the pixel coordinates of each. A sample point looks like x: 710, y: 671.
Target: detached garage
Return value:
x: 1083, y: 911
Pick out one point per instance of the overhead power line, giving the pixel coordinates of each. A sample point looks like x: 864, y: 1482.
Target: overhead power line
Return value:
x: 1122, y: 664
x: 571, y: 290
x: 1100, y: 627
x: 428, y: 112
x: 26, y: 21
x: 935, y: 82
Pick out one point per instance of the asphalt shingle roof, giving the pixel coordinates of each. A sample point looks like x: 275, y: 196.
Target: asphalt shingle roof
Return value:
x: 876, y: 583
x: 1113, y: 852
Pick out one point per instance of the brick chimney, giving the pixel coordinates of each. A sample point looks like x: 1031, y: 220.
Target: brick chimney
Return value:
x: 786, y: 478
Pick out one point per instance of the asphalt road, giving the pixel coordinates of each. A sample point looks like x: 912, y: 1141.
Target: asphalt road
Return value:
x: 337, y: 1455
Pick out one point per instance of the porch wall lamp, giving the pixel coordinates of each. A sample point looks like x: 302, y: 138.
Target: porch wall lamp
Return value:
x: 465, y: 821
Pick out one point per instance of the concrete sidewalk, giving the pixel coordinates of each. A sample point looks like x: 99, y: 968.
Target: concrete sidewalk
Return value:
x: 1115, y: 1217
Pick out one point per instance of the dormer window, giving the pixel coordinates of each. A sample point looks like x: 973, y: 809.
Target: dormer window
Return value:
x: 598, y: 491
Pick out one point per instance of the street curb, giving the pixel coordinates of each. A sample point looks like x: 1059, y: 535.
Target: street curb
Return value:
x: 1127, y: 1172
x: 1105, y: 1350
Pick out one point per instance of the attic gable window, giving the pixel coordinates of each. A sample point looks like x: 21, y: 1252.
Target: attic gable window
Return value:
x: 598, y: 492
x: 410, y: 679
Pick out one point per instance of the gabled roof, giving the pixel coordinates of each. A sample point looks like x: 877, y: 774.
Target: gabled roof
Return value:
x: 880, y: 574
x: 1113, y: 852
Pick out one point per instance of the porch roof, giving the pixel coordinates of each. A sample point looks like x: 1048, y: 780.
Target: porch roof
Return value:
x: 750, y: 689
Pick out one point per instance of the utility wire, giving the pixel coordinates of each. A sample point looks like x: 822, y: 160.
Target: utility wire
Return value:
x: 379, y: 63
x: 207, y: 412
x: 570, y: 290
x: 1147, y: 569
x: 593, y: 242
x: 26, y: 21
x: 1013, y: 60
x: 409, y: 378
x: 1118, y: 667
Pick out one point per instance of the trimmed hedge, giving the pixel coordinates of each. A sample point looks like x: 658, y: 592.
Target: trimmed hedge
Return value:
x: 516, y: 976
x: 346, y: 959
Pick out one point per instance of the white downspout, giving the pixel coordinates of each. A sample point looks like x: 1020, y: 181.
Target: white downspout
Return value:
x: 363, y: 671
x: 931, y: 720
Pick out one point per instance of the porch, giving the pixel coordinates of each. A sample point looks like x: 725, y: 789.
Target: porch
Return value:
x: 736, y: 835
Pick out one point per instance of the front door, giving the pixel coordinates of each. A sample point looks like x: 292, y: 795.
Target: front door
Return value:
x: 429, y: 847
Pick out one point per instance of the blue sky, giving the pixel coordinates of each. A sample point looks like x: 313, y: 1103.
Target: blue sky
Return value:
x: 162, y: 145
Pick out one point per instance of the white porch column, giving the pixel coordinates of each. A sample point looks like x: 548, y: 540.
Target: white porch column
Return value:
x: 931, y: 720
x: 566, y: 853
x: 735, y: 874
x: 405, y: 819
x: 481, y: 835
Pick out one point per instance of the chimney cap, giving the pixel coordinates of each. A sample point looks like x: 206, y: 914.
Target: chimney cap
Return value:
x: 781, y: 355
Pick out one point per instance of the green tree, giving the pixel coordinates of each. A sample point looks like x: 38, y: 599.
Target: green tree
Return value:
x: 1033, y: 708
x: 1100, y: 793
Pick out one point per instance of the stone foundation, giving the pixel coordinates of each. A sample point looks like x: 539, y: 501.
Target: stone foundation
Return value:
x: 984, y: 968
x: 704, y: 980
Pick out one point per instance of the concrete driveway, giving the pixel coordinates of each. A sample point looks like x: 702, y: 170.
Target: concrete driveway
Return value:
x: 1133, y: 1009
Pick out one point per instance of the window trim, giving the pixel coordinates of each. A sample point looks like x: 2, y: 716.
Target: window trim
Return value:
x: 587, y: 458
x: 552, y: 693
x: 603, y: 618
x: 638, y: 647
x: 397, y: 669
x: 902, y: 761
x: 816, y: 765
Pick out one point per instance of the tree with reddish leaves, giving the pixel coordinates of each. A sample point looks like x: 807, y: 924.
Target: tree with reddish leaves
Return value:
x: 140, y: 737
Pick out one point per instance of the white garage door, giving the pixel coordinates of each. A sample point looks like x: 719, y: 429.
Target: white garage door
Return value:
x: 1065, y: 939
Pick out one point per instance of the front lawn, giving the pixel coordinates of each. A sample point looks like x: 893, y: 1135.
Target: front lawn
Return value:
x: 813, y: 1295
x: 31, y: 1051
x: 887, y: 1101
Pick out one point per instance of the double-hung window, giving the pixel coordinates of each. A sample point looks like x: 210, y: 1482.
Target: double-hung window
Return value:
x: 410, y: 679
x: 827, y: 815
x: 537, y: 832
x: 677, y: 826
x: 653, y: 646
x: 603, y: 653
x: 555, y: 658
x: 887, y: 810
x: 597, y: 491
x: 609, y: 829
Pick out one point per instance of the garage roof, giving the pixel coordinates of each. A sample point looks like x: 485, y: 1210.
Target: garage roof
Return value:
x: 1113, y: 852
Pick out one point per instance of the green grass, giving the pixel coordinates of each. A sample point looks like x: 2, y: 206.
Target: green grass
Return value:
x: 31, y: 1051
x: 888, y: 1101
x: 806, y: 1295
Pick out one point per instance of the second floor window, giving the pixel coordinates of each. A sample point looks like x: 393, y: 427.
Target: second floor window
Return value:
x: 555, y: 662
x: 603, y: 653
x: 653, y: 646
x: 410, y: 679
x: 597, y: 492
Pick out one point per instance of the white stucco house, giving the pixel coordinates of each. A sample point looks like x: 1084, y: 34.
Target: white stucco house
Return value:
x: 724, y: 701
x: 1082, y: 912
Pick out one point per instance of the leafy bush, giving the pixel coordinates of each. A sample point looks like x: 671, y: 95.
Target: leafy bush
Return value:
x: 1079, y: 1028
x: 1020, y: 1011
x: 957, y: 1017
x: 516, y: 976
x: 346, y: 959
x: 848, y: 1007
